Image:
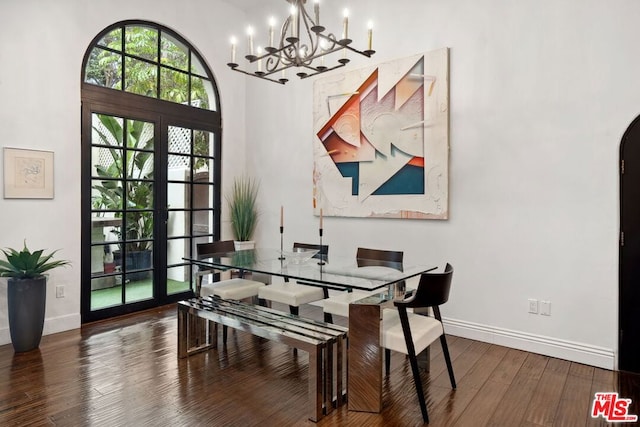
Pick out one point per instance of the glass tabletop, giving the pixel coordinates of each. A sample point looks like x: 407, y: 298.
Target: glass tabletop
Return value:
x: 338, y: 274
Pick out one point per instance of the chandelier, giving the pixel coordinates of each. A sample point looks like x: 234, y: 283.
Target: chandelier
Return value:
x: 302, y: 42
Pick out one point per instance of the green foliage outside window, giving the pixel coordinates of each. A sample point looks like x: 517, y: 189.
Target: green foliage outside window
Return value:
x: 142, y: 63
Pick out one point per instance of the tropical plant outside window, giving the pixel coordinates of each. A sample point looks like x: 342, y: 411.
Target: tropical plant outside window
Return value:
x: 136, y: 163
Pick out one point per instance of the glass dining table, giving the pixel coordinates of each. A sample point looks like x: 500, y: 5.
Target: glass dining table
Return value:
x: 365, y: 356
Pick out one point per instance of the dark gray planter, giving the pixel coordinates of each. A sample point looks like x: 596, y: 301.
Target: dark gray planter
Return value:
x: 136, y: 260
x: 27, y: 300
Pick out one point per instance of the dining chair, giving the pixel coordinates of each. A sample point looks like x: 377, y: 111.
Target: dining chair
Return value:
x: 235, y: 288
x: 295, y: 294
x: 365, y: 257
x: 410, y: 333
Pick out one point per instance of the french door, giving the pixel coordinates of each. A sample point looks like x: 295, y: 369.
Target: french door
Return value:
x: 150, y: 194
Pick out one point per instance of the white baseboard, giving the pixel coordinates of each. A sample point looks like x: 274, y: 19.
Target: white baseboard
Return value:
x: 51, y: 326
x: 563, y: 349
x: 62, y: 323
x: 576, y: 352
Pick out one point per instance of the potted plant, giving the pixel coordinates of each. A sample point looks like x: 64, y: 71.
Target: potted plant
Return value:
x: 27, y: 294
x: 136, y: 163
x: 243, y: 210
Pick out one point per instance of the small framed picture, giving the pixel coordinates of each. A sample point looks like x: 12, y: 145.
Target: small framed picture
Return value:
x: 28, y: 174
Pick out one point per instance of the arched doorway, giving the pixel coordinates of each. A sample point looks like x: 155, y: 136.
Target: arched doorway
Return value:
x: 151, y: 139
x: 629, y: 273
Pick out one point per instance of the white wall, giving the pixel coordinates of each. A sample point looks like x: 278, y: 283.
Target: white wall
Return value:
x: 42, y: 44
x: 541, y: 93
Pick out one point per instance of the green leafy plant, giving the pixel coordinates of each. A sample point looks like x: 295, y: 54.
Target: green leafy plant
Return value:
x: 137, y: 163
x: 243, y: 206
x: 26, y: 264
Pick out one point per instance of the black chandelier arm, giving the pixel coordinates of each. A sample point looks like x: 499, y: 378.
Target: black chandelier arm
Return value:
x: 302, y: 75
x: 312, y: 36
x: 272, y: 64
x: 261, y: 75
x: 318, y: 70
x: 330, y: 38
x: 286, y: 45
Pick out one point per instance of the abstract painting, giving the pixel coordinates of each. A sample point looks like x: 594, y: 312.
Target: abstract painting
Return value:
x: 381, y: 140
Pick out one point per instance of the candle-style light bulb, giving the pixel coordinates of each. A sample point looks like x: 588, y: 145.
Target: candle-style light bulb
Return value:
x: 316, y: 10
x: 369, y: 35
x: 272, y: 23
x: 281, y: 216
x: 259, y: 52
x: 233, y: 49
x: 294, y: 21
x: 250, y: 34
x: 345, y: 29
x: 320, y: 218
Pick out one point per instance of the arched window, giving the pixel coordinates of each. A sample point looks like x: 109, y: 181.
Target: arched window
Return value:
x: 151, y: 164
x: 152, y: 61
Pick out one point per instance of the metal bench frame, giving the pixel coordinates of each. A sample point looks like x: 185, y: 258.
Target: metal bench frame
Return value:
x: 325, y: 343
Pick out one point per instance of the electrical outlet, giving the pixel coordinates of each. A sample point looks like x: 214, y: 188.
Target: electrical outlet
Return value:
x: 533, y: 306
x: 59, y: 291
x: 545, y: 308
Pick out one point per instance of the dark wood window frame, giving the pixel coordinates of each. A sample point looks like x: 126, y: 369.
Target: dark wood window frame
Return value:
x: 99, y: 99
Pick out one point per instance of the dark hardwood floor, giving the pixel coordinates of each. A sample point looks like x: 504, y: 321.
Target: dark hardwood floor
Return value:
x: 125, y: 372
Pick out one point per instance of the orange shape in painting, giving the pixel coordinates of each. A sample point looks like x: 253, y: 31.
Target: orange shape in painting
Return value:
x: 343, y: 152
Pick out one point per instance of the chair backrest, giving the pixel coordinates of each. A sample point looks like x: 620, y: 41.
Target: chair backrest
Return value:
x: 433, y: 289
x: 203, y: 250
x: 214, y: 247
x: 367, y: 257
x: 323, y: 251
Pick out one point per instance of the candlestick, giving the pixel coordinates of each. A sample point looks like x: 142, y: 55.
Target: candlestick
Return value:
x: 321, y: 262
x: 370, y: 35
x: 316, y: 9
x: 281, y: 257
x: 281, y: 216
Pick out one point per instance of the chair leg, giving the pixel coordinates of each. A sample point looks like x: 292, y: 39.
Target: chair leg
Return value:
x: 387, y: 361
x: 447, y: 358
x: 198, y: 286
x: 328, y: 317
x: 224, y: 334
x: 264, y: 302
x: 413, y: 359
x: 419, y: 390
